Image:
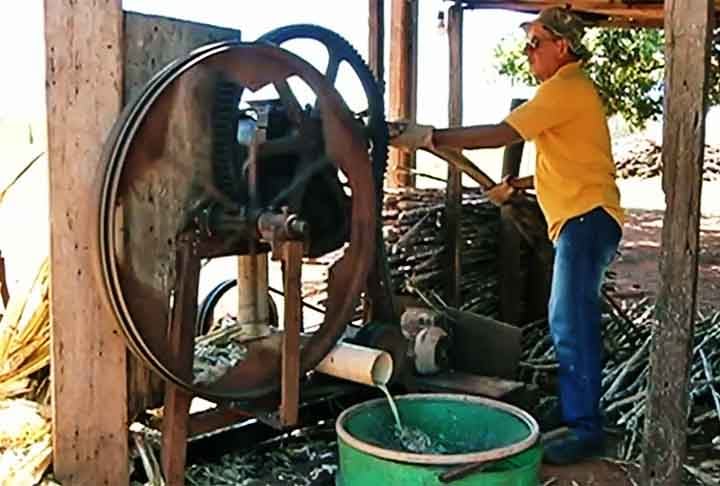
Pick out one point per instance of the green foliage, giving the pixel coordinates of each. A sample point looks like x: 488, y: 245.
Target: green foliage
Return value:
x: 627, y: 66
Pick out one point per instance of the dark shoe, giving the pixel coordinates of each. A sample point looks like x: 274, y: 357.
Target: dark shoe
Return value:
x: 568, y: 447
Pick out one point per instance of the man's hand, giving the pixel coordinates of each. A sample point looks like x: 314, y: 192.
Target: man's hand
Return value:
x: 501, y: 193
x: 410, y: 137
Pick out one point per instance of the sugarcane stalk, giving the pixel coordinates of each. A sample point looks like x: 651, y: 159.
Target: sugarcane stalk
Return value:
x: 632, y: 363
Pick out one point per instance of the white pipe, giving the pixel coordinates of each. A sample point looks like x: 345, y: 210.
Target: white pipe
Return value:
x: 360, y: 364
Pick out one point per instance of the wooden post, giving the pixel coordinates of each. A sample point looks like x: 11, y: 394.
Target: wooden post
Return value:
x: 512, y: 155
x: 453, y: 194
x: 151, y: 42
x: 513, y: 267
x: 403, y: 84
x: 688, y: 30
x: 376, y: 39
x: 181, y: 335
x: 292, y: 253
x: 84, y: 49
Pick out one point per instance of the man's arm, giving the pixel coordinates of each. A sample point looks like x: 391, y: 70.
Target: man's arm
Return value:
x: 475, y: 137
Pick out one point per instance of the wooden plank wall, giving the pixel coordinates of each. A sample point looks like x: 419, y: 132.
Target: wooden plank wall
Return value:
x: 403, y: 84
x: 453, y: 194
x: 84, y: 49
x: 688, y: 30
x: 151, y: 42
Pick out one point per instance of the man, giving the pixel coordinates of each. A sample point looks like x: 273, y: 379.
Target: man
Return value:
x: 575, y: 183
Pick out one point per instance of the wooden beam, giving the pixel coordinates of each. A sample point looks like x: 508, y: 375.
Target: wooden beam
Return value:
x: 453, y: 194
x: 376, y: 39
x: 603, y: 13
x: 84, y: 53
x: 628, y: 23
x: 403, y: 84
x: 151, y: 42
x: 292, y: 253
x: 688, y: 28
x: 512, y: 155
x: 181, y: 337
x: 513, y: 267
x: 653, y: 10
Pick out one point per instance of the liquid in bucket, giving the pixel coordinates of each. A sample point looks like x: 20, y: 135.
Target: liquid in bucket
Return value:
x: 410, y: 438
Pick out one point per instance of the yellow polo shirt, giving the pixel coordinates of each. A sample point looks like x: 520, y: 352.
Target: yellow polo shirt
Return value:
x: 575, y: 171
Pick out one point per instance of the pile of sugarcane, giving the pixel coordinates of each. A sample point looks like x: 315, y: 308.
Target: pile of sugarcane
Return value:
x: 25, y: 439
x: 415, y: 238
x: 627, y: 333
x: 642, y: 158
x: 293, y: 459
x: 217, y: 351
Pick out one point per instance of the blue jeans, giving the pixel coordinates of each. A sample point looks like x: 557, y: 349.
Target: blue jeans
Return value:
x: 583, y: 251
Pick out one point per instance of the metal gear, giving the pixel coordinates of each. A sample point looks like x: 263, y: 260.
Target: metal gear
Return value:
x: 340, y: 50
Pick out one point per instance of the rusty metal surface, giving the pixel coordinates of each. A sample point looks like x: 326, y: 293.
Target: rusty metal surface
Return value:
x: 150, y: 183
x: 459, y: 382
x: 379, y: 302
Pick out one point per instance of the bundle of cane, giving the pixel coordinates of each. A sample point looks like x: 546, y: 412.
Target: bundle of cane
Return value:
x: 415, y: 235
x: 522, y: 208
x: 25, y: 336
x: 25, y: 438
x: 25, y: 442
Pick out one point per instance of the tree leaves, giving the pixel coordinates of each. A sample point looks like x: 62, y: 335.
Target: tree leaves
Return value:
x: 627, y: 66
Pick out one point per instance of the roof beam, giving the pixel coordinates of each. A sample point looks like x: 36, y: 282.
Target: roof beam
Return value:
x: 637, y: 13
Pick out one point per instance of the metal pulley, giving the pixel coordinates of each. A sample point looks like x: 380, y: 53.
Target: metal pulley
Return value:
x: 431, y: 350
x: 429, y: 338
x: 295, y: 178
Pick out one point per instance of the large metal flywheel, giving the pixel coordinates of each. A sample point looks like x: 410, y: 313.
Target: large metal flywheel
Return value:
x: 295, y: 175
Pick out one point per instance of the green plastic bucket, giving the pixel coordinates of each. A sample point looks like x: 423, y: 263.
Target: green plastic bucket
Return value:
x: 473, y: 430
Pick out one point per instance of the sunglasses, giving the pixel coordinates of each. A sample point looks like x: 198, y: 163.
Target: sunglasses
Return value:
x: 534, y: 42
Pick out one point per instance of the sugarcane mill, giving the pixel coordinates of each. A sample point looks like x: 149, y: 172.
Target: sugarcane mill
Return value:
x: 219, y: 156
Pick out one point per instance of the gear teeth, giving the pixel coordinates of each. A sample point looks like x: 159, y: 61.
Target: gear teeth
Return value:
x: 226, y: 172
x: 373, y: 88
x: 379, y: 137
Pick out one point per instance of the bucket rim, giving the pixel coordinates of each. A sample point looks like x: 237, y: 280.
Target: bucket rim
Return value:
x: 441, y: 459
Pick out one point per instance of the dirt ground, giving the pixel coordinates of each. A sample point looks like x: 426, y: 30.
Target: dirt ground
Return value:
x: 592, y: 473
x: 637, y: 267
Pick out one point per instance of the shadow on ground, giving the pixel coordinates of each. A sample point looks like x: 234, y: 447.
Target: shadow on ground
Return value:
x: 637, y: 272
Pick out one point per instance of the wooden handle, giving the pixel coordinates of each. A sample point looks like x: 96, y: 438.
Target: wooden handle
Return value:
x: 523, y: 183
x: 462, y: 471
x: 459, y: 161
